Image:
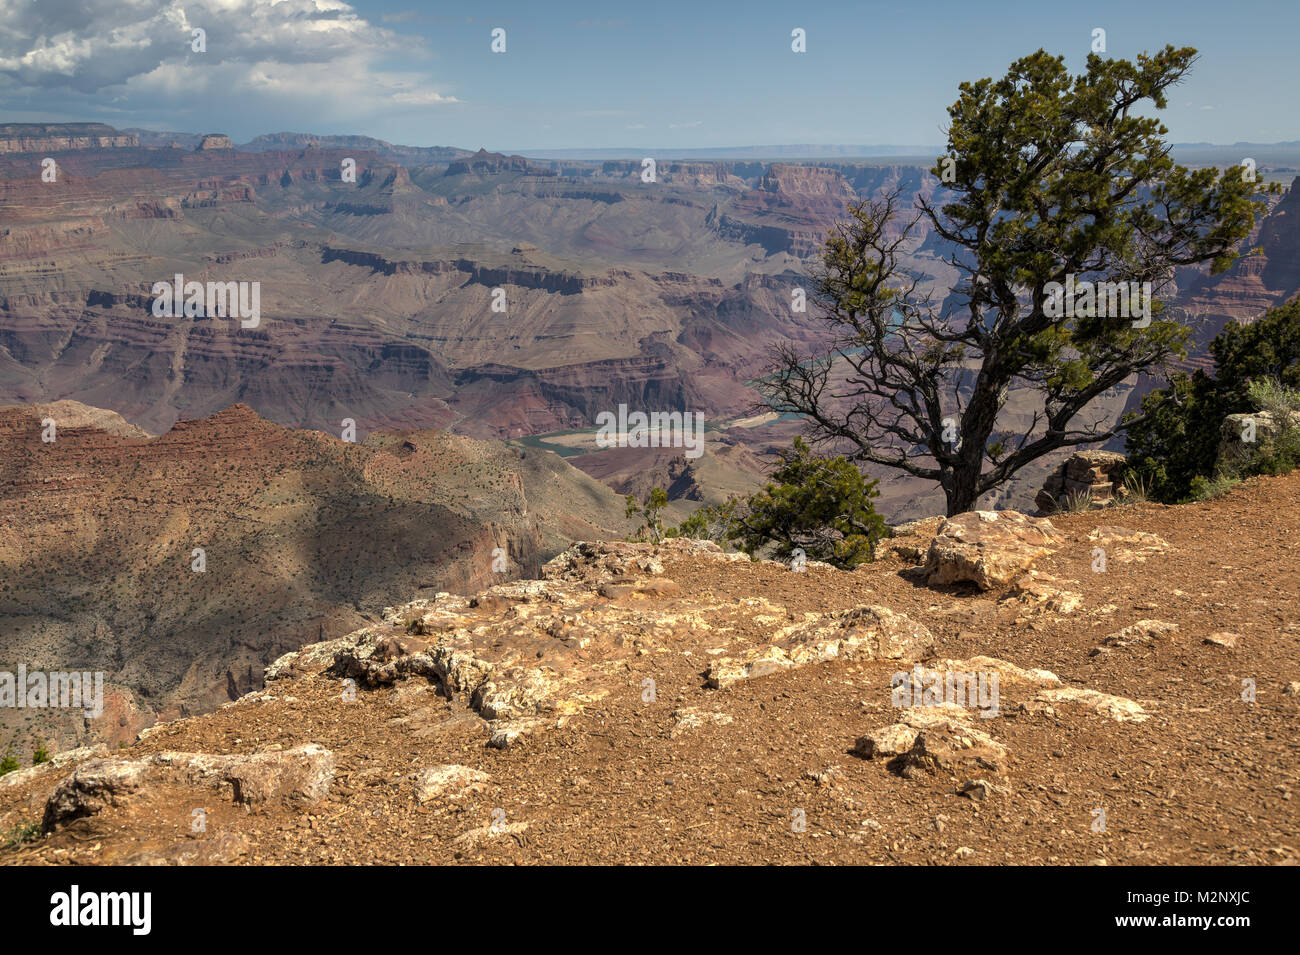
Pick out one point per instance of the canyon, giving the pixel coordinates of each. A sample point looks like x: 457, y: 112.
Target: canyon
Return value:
x: 495, y: 296
x: 465, y: 313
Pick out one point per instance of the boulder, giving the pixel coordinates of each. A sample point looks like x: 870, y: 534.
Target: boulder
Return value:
x: 1118, y: 708
x: 900, y: 739
x: 1223, y: 638
x: 92, y: 788
x: 979, y: 789
x: 1045, y: 592
x: 988, y: 548
x: 887, y: 741
x: 300, y: 775
x: 952, y: 746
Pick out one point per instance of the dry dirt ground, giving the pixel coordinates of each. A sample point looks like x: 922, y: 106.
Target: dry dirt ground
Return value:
x: 1209, y: 778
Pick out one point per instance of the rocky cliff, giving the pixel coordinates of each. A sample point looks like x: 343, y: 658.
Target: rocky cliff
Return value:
x: 59, y: 137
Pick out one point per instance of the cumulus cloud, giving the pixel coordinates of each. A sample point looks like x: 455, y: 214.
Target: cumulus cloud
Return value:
x: 301, y: 51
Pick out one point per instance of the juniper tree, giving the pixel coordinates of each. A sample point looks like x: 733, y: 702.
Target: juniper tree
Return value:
x: 817, y: 506
x: 1051, y: 178
x: 649, y: 512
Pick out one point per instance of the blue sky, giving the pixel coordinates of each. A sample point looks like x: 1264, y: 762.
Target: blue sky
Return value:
x: 663, y: 74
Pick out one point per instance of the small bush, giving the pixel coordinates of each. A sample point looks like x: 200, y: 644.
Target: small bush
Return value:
x: 1174, y: 439
x: 23, y: 832
x: 820, y: 506
x: 1137, y: 489
x: 712, y: 522
x: 1280, y: 453
x: 1208, y: 488
x: 1076, y: 502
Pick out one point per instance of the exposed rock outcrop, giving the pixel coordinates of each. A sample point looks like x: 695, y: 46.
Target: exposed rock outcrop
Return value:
x: 214, y: 141
x: 868, y: 633
x: 298, y: 776
x: 1090, y: 475
x: 1125, y: 546
x: 523, y: 655
x: 57, y: 137
x: 449, y: 782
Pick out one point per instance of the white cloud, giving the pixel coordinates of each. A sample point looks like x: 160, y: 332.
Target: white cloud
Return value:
x: 296, y: 52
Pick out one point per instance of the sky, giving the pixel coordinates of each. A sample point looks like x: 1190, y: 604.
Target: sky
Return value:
x: 658, y: 74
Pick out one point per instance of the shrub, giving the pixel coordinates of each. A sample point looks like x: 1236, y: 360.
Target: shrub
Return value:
x: 819, y: 505
x: 23, y: 832
x: 1176, y: 440
x: 1279, y: 452
x: 712, y: 522
x: 1208, y: 488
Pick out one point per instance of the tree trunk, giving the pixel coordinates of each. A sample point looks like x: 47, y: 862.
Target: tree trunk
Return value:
x: 961, y: 489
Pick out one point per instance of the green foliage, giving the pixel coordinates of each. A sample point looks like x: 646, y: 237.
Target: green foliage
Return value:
x: 1278, y: 451
x: 648, y: 511
x: 16, y: 836
x: 1204, y: 488
x: 712, y: 522
x: 819, y: 505
x: 1175, y: 435
x: 9, y: 762
x: 1174, y: 438
x: 1077, y: 502
x: 1137, y: 489
x: 40, y: 755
